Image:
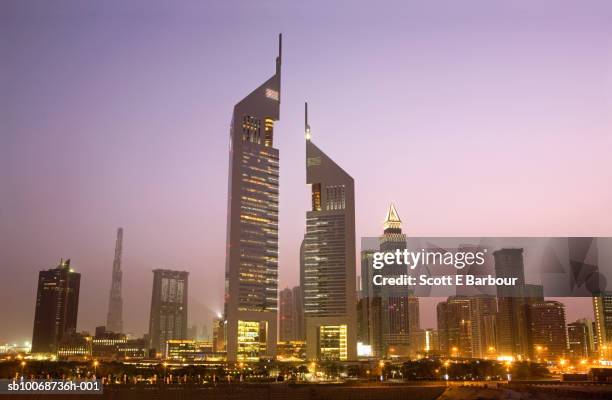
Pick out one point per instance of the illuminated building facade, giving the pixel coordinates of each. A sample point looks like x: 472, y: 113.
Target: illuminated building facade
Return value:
x: 168, y: 319
x: 74, y: 346
x: 181, y: 350
x: 218, y: 342
x: 602, y: 308
x: 105, y: 344
x: 329, y: 259
x: 580, y: 340
x: 454, y: 327
x: 57, y: 305
x: 400, y: 309
x: 251, y: 270
x: 548, y: 332
x: 482, y: 318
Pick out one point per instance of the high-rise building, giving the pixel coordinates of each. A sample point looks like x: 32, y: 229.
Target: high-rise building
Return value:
x: 591, y: 341
x: 329, y: 259
x: 454, y: 327
x: 399, y: 309
x: 512, y: 304
x: 57, y: 305
x: 602, y: 308
x: 548, y: 330
x: 580, y: 339
x: 114, y: 318
x: 218, y: 342
x: 368, y: 307
x: 168, y: 319
x: 251, y: 270
x: 298, y: 314
x: 285, y: 315
x: 425, y: 342
x: 291, y: 315
x: 482, y: 318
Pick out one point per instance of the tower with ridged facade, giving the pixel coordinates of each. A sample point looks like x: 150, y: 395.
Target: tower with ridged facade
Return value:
x: 251, y: 269
x: 329, y: 259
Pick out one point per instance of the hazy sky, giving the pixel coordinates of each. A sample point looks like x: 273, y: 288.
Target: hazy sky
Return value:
x: 474, y: 117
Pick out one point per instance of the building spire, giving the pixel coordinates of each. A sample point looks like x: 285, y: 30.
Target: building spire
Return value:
x: 306, y: 126
x: 114, y: 318
x: 392, y: 220
x: 280, y: 53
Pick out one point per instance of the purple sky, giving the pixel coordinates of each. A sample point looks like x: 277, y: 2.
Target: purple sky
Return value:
x: 476, y: 118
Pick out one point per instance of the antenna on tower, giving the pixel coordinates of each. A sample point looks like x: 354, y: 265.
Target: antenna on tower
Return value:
x: 280, y: 53
x: 306, y: 126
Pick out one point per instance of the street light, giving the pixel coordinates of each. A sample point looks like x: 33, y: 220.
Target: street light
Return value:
x: 446, y: 364
x: 381, y: 364
x: 23, y: 364
x: 95, y: 365
x: 165, y: 373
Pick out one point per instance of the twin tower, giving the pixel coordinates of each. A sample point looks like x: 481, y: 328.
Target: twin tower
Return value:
x: 327, y: 272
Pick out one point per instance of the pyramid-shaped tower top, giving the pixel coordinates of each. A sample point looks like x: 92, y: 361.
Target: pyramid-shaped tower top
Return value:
x: 393, y: 223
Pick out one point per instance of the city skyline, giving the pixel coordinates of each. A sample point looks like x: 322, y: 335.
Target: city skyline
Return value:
x: 77, y: 178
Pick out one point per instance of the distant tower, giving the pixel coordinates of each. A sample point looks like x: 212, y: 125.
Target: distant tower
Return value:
x: 329, y: 259
x: 400, y: 309
x: 251, y: 266
x: 57, y: 305
x: 114, y: 318
x: 285, y: 315
x: 168, y: 319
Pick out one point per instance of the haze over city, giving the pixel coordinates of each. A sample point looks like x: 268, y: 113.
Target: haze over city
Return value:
x: 118, y: 115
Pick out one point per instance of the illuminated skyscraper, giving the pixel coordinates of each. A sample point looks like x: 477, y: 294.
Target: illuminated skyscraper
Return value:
x: 602, y: 308
x: 580, y: 339
x: 548, y: 330
x: 251, y: 269
x: 114, y: 318
x: 400, y: 309
x: 57, y: 305
x: 168, y: 318
x: 329, y: 259
x: 483, y: 309
x: 454, y: 327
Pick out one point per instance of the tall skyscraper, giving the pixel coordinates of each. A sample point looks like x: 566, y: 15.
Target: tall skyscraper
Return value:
x: 399, y: 309
x: 602, y: 308
x: 482, y: 315
x: 285, y: 315
x: 57, y: 306
x: 580, y: 339
x: 251, y: 270
x: 548, y: 330
x: 454, y: 327
x: 114, y: 318
x: 329, y: 259
x: 511, y: 319
x: 291, y: 315
x: 368, y: 306
x: 168, y: 318
x: 298, y: 314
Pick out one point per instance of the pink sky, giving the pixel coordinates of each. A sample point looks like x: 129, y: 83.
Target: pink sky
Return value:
x: 476, y: 119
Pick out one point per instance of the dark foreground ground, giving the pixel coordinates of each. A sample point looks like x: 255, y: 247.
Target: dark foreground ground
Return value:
x: 433, y: 391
